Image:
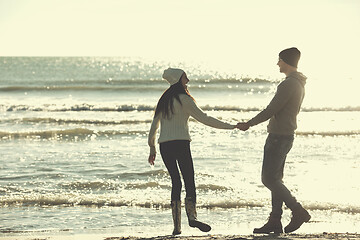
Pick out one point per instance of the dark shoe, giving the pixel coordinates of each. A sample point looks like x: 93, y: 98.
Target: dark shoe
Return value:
x: 272, y: 226
x: 298, y: 218
x: 176, y: 232
x: 200, y: 225
x: 190, y: 207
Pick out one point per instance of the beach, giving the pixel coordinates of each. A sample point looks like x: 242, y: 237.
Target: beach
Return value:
x: 73, y: 138
x: 320, y: 236
x: 79, y: 83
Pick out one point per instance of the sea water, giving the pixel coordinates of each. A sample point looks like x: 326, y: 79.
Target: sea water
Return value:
x: 73, y: 143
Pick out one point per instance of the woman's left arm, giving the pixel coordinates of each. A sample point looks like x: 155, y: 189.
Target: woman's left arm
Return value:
x: 151, y: 138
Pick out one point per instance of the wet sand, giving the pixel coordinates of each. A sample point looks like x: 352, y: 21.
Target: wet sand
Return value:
x: 320, y: 236
x: 323, y: 236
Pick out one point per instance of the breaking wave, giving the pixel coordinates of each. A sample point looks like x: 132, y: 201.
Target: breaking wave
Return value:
x: 141, y: 107
x: 97, y: 200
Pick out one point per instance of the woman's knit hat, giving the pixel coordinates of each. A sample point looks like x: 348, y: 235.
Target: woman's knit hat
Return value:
x: 172, y: 75
x: 290, y: 56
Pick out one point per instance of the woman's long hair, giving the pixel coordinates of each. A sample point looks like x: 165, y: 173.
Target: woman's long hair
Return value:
x: 166, y: 102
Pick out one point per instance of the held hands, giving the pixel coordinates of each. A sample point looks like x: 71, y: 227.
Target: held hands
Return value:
x: 151, y: 159
x: 243, y: 126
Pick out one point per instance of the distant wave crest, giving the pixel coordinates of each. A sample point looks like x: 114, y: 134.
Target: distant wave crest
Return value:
x: 76, y: 133
x: 36, y: 120
x: 76, y: 108
x: 123, y: 84
x: 330, y: 133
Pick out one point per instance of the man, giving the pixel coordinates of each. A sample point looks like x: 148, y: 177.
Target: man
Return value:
x: 282, y: 112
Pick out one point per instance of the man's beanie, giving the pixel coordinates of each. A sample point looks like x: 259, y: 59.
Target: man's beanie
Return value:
x: 291, y: 56
x: 172, y: 75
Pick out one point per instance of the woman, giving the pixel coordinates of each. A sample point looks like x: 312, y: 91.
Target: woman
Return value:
x: 172, y: 112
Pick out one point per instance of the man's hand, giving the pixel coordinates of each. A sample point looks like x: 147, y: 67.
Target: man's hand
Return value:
x: 151, y: 159
x: 243, y: 126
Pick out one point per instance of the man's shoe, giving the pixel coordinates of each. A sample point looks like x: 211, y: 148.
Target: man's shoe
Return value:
x: 299, y: 217
x: 272, y: 226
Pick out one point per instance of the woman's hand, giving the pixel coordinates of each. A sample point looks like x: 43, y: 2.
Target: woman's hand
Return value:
x: 151, y: 159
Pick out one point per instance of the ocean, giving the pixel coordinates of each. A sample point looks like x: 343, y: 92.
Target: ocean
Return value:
x: 73, y: 140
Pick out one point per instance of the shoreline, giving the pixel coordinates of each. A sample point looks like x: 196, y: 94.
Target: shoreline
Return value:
x: 313, y: 236
x: 322, y: 236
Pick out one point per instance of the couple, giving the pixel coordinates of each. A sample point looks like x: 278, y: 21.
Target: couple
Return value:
x: 175, y: 107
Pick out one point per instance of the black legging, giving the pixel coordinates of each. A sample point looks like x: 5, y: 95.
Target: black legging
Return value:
x: 179, y: 151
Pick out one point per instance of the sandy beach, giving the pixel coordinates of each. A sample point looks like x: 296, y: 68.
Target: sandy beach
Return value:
x: 320, y: 236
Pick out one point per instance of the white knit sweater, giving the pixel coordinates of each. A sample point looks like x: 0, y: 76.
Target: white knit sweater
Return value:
x: 176, y: 128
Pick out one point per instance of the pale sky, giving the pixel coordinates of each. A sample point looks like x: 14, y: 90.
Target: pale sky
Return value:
x: 239, y: 35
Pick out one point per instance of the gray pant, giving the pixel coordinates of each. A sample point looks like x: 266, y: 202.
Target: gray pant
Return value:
x: 275, y: 151
x: 176, y: 153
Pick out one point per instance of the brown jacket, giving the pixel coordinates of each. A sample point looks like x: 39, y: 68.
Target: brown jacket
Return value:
x: 284, y: 107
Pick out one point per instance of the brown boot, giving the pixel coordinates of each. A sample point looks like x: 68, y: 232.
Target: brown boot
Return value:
x: 299, y: 216
x: 272, y: 226
x: 176, y: 214
x: 190, y: 207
